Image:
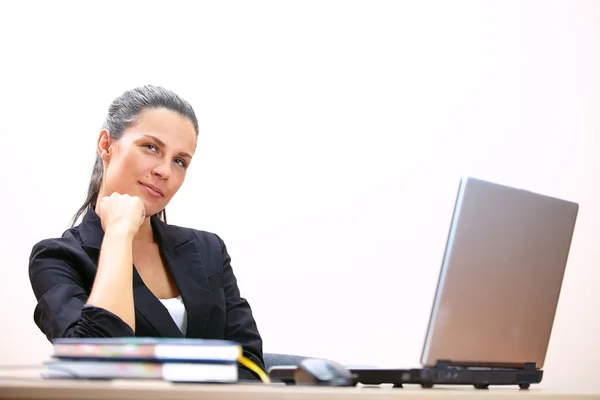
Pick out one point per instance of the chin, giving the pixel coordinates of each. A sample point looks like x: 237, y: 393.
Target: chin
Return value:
x: 150, y: 210
x: 153, y: 209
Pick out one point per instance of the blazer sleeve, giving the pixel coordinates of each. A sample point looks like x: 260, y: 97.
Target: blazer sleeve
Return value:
x: 240, y: 325
x: 61, y: 310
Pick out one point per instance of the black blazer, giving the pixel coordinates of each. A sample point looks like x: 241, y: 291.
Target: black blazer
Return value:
x: 62, y: 272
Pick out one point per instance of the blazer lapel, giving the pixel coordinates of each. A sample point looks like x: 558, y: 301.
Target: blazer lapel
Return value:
x: 183, y: 260
x: 152, y: 310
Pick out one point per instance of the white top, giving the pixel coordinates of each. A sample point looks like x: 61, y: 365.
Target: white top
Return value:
x: 177, y: 310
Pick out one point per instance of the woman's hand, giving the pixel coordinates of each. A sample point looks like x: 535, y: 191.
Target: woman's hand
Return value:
x: 122, y: 211
x: 121, y: 216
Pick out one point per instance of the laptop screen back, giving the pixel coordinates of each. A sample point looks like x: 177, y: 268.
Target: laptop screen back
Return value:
x: 500, y: 278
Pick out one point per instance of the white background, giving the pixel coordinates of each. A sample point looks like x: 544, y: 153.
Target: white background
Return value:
x: 332, y: 138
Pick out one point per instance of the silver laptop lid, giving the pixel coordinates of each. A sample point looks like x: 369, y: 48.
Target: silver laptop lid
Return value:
x: 500, y: 277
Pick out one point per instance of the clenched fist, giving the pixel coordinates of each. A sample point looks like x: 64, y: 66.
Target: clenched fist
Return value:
x: 122, y: 211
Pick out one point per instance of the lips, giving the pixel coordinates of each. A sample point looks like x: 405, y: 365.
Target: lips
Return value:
x: 153, y: 190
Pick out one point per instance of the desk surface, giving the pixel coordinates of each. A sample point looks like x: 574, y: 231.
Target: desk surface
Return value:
x: 148, y: 390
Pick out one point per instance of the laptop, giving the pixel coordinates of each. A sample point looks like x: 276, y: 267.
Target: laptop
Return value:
x: 497, y: 291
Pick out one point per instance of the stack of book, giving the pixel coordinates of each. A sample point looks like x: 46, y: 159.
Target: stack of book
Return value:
x: 175, y: 360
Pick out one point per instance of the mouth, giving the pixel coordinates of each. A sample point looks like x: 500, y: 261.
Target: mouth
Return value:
x: 153, y: 190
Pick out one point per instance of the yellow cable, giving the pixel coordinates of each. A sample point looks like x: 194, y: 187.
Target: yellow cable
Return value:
x: 246, y: 362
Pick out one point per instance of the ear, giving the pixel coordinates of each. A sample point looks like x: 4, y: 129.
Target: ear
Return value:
x: 104, y: 144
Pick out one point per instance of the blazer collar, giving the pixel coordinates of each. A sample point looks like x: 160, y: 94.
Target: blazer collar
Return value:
x: 184, y: 262
x: 168, y: 236
x: 91, y: 230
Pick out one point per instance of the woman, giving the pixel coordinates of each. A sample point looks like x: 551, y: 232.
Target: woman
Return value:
x: 181, y: 283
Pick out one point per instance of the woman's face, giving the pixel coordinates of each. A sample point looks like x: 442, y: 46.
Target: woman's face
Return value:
x: 150, y: 159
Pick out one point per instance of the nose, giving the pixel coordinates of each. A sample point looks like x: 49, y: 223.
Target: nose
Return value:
x: 162, y: 170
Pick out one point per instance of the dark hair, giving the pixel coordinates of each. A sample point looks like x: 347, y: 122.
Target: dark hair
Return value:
x: 122, y: 114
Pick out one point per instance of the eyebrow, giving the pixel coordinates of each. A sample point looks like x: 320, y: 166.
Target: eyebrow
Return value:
x: 162, y: 144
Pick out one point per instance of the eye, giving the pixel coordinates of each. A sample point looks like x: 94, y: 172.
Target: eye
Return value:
x: 180, y: 162
x: 151, y: 147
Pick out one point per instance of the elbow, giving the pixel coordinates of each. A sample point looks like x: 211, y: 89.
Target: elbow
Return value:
x: 93, y: 323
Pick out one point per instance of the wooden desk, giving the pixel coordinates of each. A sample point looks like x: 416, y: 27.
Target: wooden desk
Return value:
x: 149, y: 390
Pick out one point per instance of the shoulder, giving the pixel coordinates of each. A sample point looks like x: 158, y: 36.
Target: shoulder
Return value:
x: 68, y: 249
x: 59, y: 255
x: 69, y: 242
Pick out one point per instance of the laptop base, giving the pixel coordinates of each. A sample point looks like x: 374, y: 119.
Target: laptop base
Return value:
x: 443, y: 373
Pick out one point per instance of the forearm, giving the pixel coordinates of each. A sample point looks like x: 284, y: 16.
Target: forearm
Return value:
x: 113, y: 285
